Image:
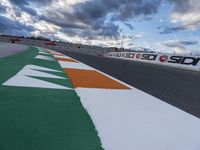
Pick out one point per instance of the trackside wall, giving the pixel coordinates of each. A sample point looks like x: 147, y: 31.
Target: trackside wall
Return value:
x: 178, y: 61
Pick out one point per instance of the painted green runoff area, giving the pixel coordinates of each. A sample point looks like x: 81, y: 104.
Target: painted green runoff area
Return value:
x: 41, y: 118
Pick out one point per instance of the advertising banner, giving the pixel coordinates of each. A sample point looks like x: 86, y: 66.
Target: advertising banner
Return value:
x: 179, y: 61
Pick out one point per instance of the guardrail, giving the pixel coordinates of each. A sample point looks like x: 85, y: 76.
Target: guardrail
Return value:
x: 178, y: 61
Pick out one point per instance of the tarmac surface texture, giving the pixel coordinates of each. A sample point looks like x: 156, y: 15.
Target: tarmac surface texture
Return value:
x: 178, y: 87
x: 7, y: 49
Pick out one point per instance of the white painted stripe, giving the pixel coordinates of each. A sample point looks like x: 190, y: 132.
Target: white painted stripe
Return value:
x: 134, y: 120
x: 56, y: 56
x: 41, y: 68
x: 75, y: 65
x: 41, y: 49
x: 24, y: 78
x: 44, y: 53
x: 55, y: 53
x: 29, y: 72
x: 44, y: 57
x: 25, y: 81
x: 86, y: 68
x: 90, y: 68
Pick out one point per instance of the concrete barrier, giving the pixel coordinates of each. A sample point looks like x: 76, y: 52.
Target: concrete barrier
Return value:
x: 178, y: 61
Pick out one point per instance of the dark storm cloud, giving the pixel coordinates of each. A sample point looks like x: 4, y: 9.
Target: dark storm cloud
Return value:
x: 90, y: 10
x: 28, y: 2
x: 169, y: 30
x: 2, y: 8
x: 94, y: 16
x: 109, y: 30
x: 129, y: 26
x: 183, y: 7
x: 188, y: 42
x: 180, y: 44
x: 62, y: 18
x: 122, y: 9
x: 25, y: 5
x: 99, y: 15
x: 29, y: 11
x: 191, y: 25
x: 19, y: 2
x: 8, y: 26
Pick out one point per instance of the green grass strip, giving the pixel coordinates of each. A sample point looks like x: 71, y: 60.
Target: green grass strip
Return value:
x: 42, y: 119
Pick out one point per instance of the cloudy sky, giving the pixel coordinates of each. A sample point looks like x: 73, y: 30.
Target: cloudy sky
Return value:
x: 161, y: 25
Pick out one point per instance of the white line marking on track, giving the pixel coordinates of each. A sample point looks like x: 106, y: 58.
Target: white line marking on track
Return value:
x: 44, y: 57
x: 75, y: 65
x: 56, y: 56
x: 24, y: 78
x: 134, y: 120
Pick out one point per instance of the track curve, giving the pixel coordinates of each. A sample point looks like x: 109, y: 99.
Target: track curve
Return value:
x: 180, y: 88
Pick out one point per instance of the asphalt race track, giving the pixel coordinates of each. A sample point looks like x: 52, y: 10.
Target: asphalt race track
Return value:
x: 10, y: 49
x: 177, y: 87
